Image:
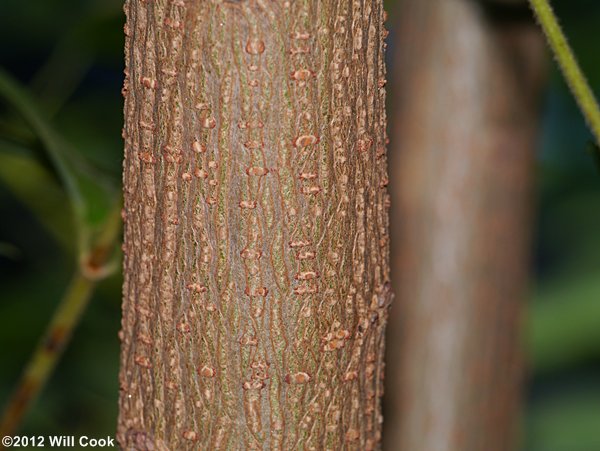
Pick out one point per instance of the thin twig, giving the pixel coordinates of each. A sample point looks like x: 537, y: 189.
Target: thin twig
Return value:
x: 568, y: 64
x: 47, y: 353
x: 65, y: 319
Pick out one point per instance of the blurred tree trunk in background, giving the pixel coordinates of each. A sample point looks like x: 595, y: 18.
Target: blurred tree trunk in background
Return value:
x: 467, y: 83
x: 256, y: 247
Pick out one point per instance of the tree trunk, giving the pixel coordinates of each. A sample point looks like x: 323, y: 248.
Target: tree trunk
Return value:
x: 467, y: 83
x: 256, y: 244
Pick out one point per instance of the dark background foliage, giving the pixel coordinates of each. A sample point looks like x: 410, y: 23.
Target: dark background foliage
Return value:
x: 69, y: 55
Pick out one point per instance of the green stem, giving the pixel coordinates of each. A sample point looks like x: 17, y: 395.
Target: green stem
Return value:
x: 66, y: 317
x: 568, y: 64
x: 46, y: 355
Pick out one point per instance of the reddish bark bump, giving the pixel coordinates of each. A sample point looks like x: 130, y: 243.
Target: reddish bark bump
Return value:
x: 334, y: 345
x: 311, y: 190
x: 183, y: 327
x: 190, y: 435
x: 305, y: 255
x: 352, y: 435
x: 248, y: 204
x: 139, y: 440
x: 199, y: 147
x: 299, y: 51
x: 304, y: 290
x: 302, y: 75
x: 350, y: 376
x: 253, y: 385
x: 299, y: 243
x: 257, y: 171
x: 300, y: 377
x: 173, y: 23
x: 207, y: 371
x: 364, y: 144
x: 253, y: 144
x: 149, y: 83
x: 146, y: 157
x: 300, y: 35
x: 145, y: 339
x: 250, y: 254
x: 200, y: 173
x: 142, y: 361
x: 248, y: 340
x: 306, y: 140
x: 208, y: 122
x: 255, y: 46
x: 307, y: 275
x: 147, y: 125
x: 196, y: 287
x: 256, y: 292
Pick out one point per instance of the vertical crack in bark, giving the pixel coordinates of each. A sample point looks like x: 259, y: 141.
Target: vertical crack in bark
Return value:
x: 256, y: 245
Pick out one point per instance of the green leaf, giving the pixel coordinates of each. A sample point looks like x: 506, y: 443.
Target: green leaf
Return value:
x: 90, y: 194
x: 19, y: 99
x: 34, y: 186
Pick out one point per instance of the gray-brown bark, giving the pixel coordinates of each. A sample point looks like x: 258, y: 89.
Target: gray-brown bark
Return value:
x: 466, y: 92
x: 256, y: 247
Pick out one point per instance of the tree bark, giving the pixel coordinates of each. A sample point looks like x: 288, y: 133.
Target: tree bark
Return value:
x: 256, y: 243
x: 467, y: 82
